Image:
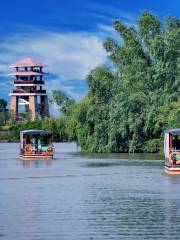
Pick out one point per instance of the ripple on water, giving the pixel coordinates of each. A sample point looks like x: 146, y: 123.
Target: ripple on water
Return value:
x: 80, y: 196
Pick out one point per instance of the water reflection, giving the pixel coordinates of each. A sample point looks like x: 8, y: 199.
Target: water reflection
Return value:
x: 36, y: 163
x: 121, y: 162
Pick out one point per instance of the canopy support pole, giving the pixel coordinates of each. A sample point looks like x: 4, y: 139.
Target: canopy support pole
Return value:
x: 171, y: 142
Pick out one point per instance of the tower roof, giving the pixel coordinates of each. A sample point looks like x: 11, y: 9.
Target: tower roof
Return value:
x: 28, y: 62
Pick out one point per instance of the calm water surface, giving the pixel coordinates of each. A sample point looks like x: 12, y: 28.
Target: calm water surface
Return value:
x: 80, y: 196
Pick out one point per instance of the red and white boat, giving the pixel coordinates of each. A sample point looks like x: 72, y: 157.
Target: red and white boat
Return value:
x: 172, y: 151
x: 36, y: 145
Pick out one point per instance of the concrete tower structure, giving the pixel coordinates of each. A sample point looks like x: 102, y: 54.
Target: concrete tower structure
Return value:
x: 29, y: 89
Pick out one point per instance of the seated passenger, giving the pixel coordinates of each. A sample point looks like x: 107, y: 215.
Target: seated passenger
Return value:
x: 176, y: 143
x: 39, y: 145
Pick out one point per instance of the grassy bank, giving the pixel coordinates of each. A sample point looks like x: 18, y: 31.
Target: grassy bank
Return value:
x: 8, y: 136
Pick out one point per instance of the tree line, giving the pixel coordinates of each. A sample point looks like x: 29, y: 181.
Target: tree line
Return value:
x: 131, y: 101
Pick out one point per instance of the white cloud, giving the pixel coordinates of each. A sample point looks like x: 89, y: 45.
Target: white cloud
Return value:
x: 109, y: 13
x: 5, y: 85
x: 106, y: 28
x: 69, y: 55
x: 3, y: 68
x: 109, y: 31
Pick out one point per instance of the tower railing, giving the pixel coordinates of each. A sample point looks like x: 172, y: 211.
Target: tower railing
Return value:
x: 28, y: 91
x: 29, y: 82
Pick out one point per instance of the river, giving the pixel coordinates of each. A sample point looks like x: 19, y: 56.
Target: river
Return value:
x: 87, y: 196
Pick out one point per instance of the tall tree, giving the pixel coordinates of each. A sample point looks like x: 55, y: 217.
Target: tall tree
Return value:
x: 3, y: 105
x: 125, y: 105
x: 64, y: 102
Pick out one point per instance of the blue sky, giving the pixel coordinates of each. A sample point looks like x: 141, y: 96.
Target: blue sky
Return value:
x: 67, y: 35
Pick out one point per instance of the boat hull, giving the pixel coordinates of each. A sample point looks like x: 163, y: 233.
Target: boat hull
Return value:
x: 35, y: 157
x: 172, y: 170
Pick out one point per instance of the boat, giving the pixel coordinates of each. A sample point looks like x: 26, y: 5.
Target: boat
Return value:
x: 172, y: 151
x: 36, y: 145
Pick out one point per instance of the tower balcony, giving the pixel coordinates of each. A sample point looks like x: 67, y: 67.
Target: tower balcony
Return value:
x: 22, y: 91
x: 27, y: 73
x: 21, y: 82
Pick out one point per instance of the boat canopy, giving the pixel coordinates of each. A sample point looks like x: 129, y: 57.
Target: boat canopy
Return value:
x: 173, y: 131
x: 169, y: 140
x: 35, y: 132
x: 32, y: 132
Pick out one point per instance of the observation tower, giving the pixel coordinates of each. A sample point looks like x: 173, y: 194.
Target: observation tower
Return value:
x: 29, y: 89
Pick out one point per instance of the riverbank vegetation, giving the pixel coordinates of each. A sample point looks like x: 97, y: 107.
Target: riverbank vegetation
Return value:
x: 131, y: 101
x: 129, y: 104
x: 11, y: 132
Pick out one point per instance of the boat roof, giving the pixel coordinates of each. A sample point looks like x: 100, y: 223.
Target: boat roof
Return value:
x: 173, y: 131
x: 35, y: 132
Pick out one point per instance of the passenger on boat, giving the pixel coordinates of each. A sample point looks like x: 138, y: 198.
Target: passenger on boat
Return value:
x: 176, y: 143
x: 39, y: 145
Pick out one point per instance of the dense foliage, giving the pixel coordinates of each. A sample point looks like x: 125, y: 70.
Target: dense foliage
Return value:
x: 3, y: 112
x: 56, y: 126
x: 130, y: 104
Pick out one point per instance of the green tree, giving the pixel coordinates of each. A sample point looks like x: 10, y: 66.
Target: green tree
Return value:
x: 64, y: 102
x: 126, y: 104
x: 3, y: 112
x: 3, y: 105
